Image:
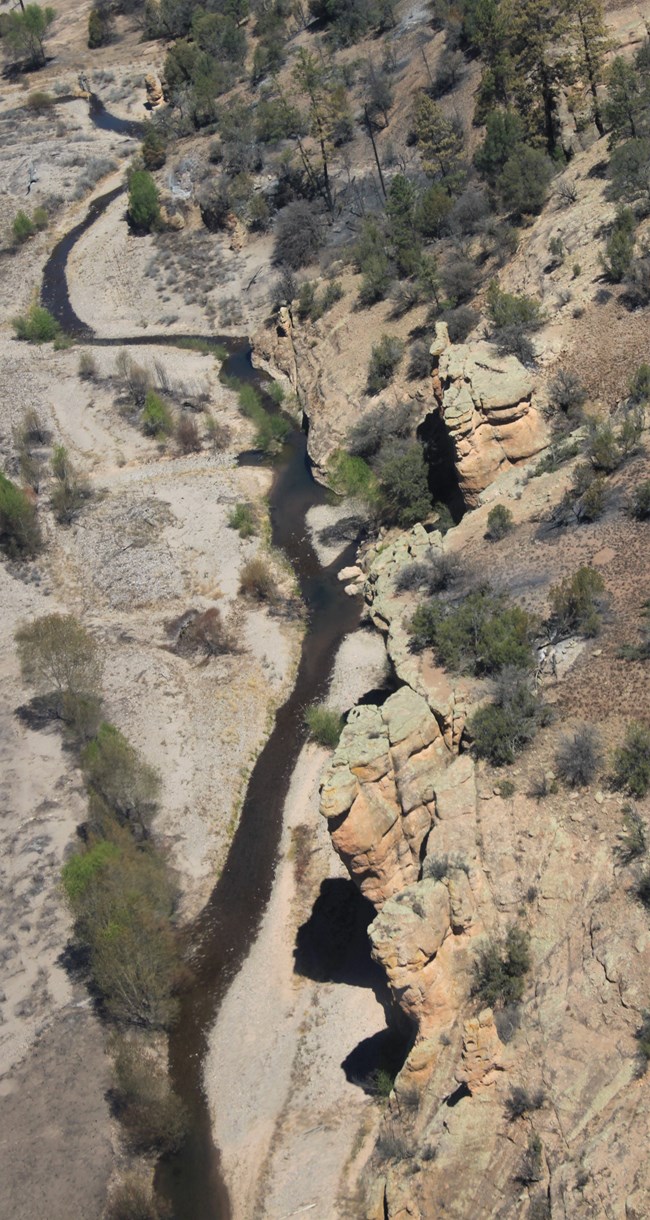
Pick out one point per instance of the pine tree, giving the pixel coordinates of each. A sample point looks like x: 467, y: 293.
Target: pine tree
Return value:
x: 328, y: 112
x: 593, y: 45
x: 400, y: 211
x: 441, y: 144
x: 628, y: 98
x: 537, y: 30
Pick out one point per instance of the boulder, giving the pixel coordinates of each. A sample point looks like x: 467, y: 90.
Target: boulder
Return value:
x: 154, y: 91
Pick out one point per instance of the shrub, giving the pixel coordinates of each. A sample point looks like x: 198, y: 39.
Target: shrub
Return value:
x: 39, y: 326
x: 642, y: 1036
x: 619, y: 248
x: 500, y: 969
x: 499, y: 522
x: 481, y: 635
x: 132, y: 1199
x: 403, y: 484
x: 155, y: 1119
x: 501, y: 729
x: 157, y: 418
x: 604, y: 450
x: 122, y: 900
x: 205, y: 633
x: 633, y: 841
x: 299, y: 235
x: 87, y: 369
x: 271, y: 429
x: 59, y: 658
x: 437, y: 868
x: 257, y: 581
x: 593, y: 502
x: 219, y: 434
x: 135, y: 378
x: 574, y: 605
x: 640, y: 506
x: 632, y: 760
x: 379, y: 426
x: 22, y: 228
x: 153, y: 148
x: 567, y: 394
x: 460, y: 322
x: 144, y: 203
x: 71, y: 491
x: 324, y: 725
x: 506, y: 310
x: 20, y: 535
x: 119, y: 775
x: 99, y: 27
x: 640, y: 385
x: 352, y: 476
x: 530, y: 1169
x: 39, y: 102
x: 578, y: 757
x: 523, y: 1101
x: 420, y: 361
x: 187, y: 434
x: 524, y: 180
x: 434, y: 575
x: 384, y: 359
x: 242, y: 518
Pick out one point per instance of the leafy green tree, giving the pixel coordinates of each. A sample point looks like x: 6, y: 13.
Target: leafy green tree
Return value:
x: 432, y: 211
x: 144, y: 202
x: 403, y: 484
x: 20, y: 535
x: 25, y: 31
x: 440, y: 141
x: 59, y: 658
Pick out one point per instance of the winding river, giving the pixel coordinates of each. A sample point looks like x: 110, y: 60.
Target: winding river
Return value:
x: 221, y: 937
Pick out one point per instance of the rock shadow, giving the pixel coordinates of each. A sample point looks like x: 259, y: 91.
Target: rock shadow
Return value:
x: 381, y: 1055
x: 332, y: 946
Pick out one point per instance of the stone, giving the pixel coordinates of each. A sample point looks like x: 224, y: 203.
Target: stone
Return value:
x: 154, y: 91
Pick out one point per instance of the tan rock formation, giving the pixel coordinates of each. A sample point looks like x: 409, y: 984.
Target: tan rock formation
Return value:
x: 378, y: 793
x: 489, y: 407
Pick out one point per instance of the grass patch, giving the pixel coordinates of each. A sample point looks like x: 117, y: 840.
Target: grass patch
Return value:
x: 324, y: 725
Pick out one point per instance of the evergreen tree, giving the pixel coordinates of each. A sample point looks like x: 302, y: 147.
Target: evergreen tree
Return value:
x: 440, y: 140
x: 593, y: 45
x: 537, y: 31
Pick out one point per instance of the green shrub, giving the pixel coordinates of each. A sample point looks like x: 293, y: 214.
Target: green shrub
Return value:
x: 619, y: 248
x: 352, y: 476
x: 499, y: 522
x: 99, y: 27
x: 153, y: 147
x: 574, y: 604
x: 384, y: 359
x: 257, y: 580
x: 640, y: 385
x: 272, y: 430
x: 39, y: 102
x: 157, y: 418
x: 117, y: 772
x: 144, y: 203
x: 481, y: 635
x: 640, y: 506
x: 20, y: 535
x: 324, y: 725
x: 604, y: 450
x: 38, y: 326
x: 22, y: 228
x: 632, y: 760
x: 155, y: 1119
x: 501, y: 967
x: 403, y: 484
x: 506, y: 309
x: 242, y: 518
x: 500, y: 729
x: 524, y: 180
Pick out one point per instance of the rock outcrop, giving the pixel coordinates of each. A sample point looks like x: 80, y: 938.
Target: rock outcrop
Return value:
x: 379, y: 792
x: 489, y: 407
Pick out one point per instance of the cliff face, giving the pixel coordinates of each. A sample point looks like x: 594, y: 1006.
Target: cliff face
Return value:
x: 488, y: 403
x: 449, y: 858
